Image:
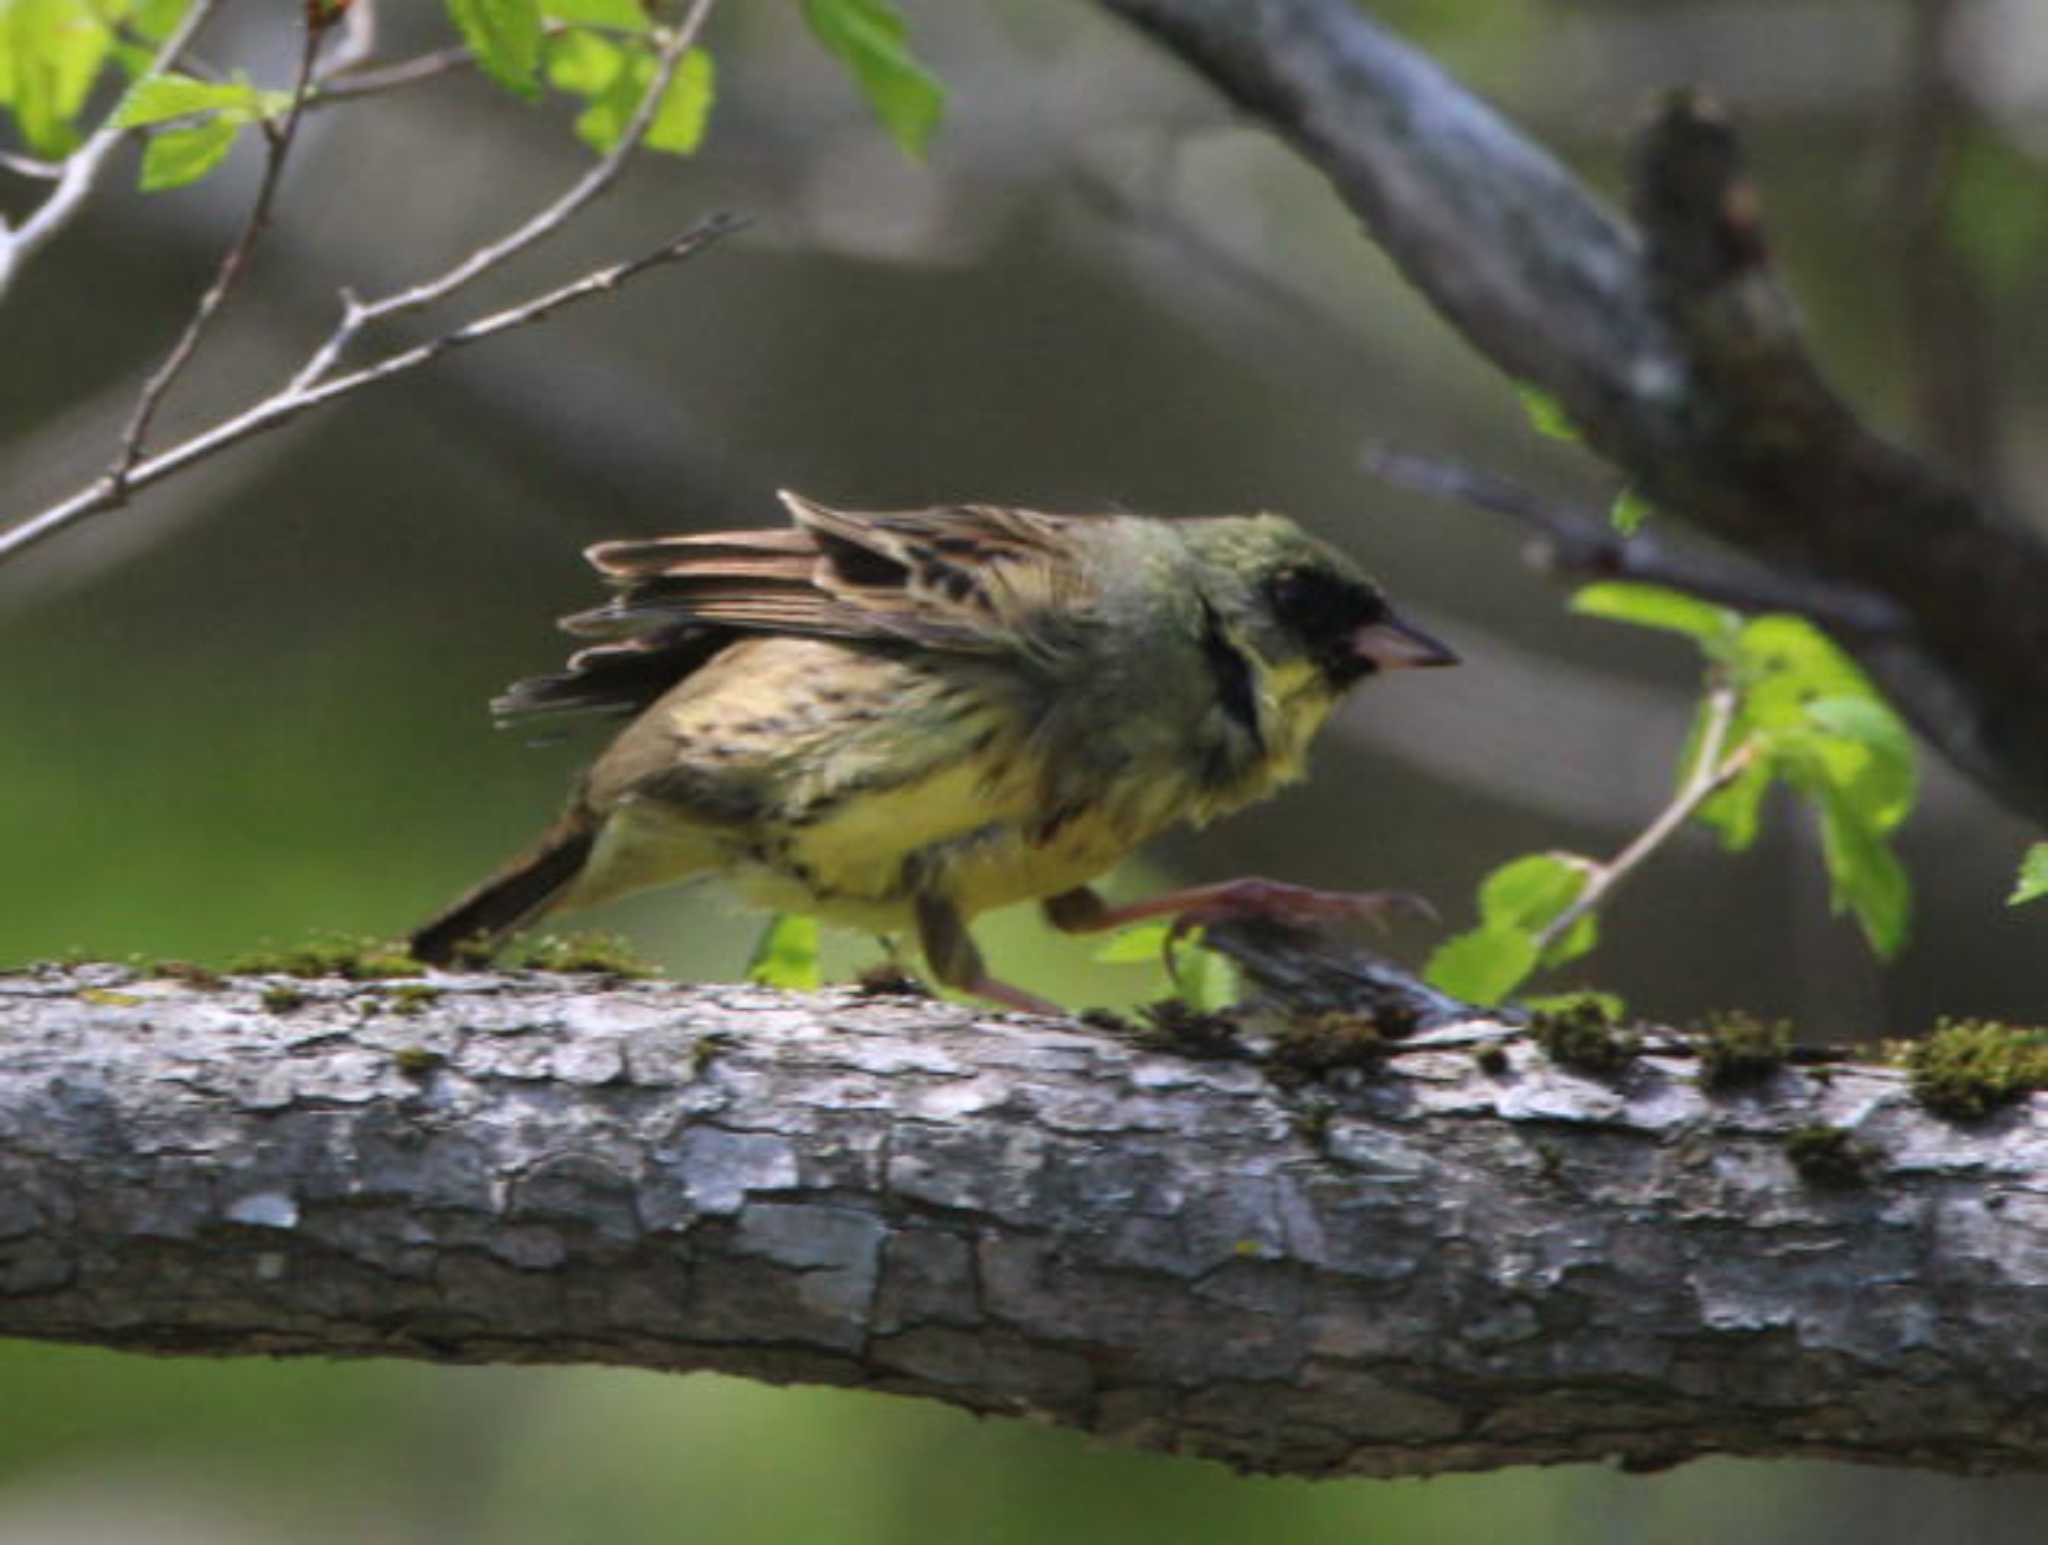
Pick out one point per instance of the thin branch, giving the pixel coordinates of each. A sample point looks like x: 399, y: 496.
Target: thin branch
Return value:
x: 1711, y: 773
x: 358, y: 40
x: 1579, y: 542
x: 369, y: 80
x: 29, y: 166
x: 81, y: 169
x: 284, y: 406
x: 359, y: 78
x: 278, y: 139
x: 315, y: 383
x: 357, y: 314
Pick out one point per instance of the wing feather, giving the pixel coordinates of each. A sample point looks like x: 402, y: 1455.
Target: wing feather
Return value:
x: 972, y: 578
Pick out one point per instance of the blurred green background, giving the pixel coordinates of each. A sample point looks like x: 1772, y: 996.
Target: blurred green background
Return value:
x: 252, y: 704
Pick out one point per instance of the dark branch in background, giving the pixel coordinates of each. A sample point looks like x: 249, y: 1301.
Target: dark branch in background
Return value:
x: 277, y: 144
x: 1441, y: 1265
x: 1953, y: 364
x: 1670, y: 345
x: 1582, y: 544
x: 316, y: 383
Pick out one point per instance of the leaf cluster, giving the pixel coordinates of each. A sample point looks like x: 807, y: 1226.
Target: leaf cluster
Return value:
x: 1782, y: 706
x: 604, y: 52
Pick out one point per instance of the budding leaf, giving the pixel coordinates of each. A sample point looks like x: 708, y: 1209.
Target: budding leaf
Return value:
x: 175, y: 157
x: 2032, y: 884
x: 505, y: 36
x: 787, y: 955
x: 1484, y: 965
x: 872, y: 40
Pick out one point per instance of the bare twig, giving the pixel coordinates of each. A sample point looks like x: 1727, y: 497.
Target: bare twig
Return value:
x: 286, y: 405
x: 1580, y: 543
x: 358, y: 39
x: 278, y: 138
x: 29, y: 166
x: 368, y: 80
x: 1711, y: 772
x: 315, y: 383
x: 81, y: 169
x: 357, y: 314
x: 357, y: 77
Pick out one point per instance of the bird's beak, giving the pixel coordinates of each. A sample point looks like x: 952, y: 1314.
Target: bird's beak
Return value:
x: 1391, y: 644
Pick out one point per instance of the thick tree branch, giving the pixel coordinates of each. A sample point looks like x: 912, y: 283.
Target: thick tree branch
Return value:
x: 1434, y: 1267
x: 1671, y: 346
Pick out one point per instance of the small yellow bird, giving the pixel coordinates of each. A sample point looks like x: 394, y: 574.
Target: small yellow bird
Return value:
x: 900, y: 720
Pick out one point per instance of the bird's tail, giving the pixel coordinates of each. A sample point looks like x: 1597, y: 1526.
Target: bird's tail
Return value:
x: 516, y: 894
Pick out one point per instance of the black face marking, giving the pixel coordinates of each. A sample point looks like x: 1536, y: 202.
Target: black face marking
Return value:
x: 1232, y: 675
x: 1325, y: 610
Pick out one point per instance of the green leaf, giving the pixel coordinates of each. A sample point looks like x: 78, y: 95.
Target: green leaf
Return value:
x: 2032, y: 883
x: 1207, y: 979
x: 1864, y: 875
x: 625, y: 15
x: 1611, y: 1005
x: 787, y: 954
x: 678, y: 125
x: 159, y: 98
x: 1545, y: 413
x: 583, y: 63
x: 1653, y: 606
x: 178, y: 156
x: 1868, y: 753
x: 1628, y: 512
x: 50, y: 55
x: 154, y: 19
x: 1528, y: 892
x: 505, y: 36
x: 871, y: 38
x: 1134, y: 946
x: 1484, y: 965
x: 1577, y: 940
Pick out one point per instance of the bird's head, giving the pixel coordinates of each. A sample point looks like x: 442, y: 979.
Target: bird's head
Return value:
x: 1310, y: 615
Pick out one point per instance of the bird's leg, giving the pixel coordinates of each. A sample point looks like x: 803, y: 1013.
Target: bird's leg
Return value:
x: 1081, y: 910
x: 955, y: 961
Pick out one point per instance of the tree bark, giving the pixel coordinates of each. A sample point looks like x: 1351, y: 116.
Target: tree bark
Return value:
x: 1670, y: 344
x: 1441, y: 1263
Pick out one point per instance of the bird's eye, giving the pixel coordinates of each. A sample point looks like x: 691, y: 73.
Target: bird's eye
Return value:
x: 1321, y: 605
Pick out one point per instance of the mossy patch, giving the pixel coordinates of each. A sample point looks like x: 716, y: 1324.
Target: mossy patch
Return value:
x: 280, y: 999
x: 601, y: 954
x: 1492, y: 1058
x: 354, y: 959
x: 1170, y: 1025
x: 411, y: 998
x: 416, y: 1061
x: 1580, y: 1032
x: 1737, y: 1048
x: 1320, y: 1044
x: 192, y: 974
x: 1968, y: 1068
x: 1828, y: 1156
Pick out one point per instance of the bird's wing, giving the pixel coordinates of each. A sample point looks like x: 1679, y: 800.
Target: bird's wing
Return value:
x: 971, y: 578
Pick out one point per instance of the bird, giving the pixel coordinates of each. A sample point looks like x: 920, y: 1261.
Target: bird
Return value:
x: 898, y: 720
